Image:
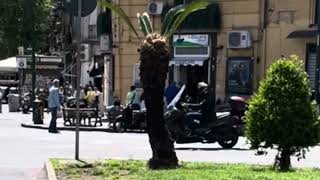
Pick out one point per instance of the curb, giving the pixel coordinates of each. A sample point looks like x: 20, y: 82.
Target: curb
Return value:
x: 67, y: 128
x: 50, y: 171
x: 89, y: 129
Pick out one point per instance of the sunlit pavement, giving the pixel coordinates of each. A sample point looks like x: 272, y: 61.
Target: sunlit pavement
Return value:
x: 24, y: 150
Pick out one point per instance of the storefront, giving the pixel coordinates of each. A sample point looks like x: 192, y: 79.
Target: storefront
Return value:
x: 189, y: 64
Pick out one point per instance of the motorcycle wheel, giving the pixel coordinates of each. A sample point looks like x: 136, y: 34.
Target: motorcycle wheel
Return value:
x: 228, y: 143
x: 119, y: 126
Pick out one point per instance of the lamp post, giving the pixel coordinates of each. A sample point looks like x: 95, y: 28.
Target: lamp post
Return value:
x: 78, y: 81
x: 33, y: 67
x: 316, y: 85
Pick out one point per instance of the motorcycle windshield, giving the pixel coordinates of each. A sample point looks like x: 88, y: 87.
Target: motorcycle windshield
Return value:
x: 177, y: 97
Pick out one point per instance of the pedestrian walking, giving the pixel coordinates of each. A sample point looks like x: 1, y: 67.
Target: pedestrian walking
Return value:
x: 54, y: 105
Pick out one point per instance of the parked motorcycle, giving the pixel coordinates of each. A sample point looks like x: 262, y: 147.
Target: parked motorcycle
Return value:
x: 225, y: 130
x: 239, y: 106
x: 26, y: 102
x: 114, y: 111
x: 130, y: 119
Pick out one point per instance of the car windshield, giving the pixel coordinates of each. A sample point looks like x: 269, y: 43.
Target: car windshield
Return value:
x: 177, y: 97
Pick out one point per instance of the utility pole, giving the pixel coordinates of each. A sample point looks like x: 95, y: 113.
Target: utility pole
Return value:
x: 33, y: 67
x: 316, y: 85
x: 78, y: 80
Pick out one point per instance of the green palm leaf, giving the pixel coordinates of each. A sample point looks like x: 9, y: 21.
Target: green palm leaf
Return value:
x: 116, y: 9
x: 143, y: 25
x: 192, y: 7
x: 147, y: 21
x: 170, y: 17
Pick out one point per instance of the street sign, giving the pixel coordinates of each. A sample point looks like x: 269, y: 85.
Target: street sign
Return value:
x: 21, y: 63
x: 88, y: 6
x: 105, y: 43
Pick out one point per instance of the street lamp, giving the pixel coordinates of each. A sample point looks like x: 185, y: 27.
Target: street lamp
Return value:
x: 78, y: 81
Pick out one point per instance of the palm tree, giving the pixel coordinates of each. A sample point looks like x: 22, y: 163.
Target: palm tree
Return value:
x: 154, y: 57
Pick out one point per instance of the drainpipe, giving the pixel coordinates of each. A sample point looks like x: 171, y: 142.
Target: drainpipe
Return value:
x: 265, y: 36
x: 316, y: 87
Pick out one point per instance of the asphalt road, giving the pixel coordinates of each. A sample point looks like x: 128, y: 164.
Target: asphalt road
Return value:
x: 23, y: 151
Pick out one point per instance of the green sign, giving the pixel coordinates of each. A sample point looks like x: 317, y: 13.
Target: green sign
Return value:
x: 191, y: 40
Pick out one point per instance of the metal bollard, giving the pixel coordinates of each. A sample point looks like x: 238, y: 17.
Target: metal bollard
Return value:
x: 38, y: 112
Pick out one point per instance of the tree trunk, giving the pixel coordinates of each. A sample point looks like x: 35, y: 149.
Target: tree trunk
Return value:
x: 163, y: 153
x: 154, y: 56
x: 283, y: 162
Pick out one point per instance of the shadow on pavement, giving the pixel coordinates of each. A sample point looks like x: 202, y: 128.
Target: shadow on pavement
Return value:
x: 210, y: 149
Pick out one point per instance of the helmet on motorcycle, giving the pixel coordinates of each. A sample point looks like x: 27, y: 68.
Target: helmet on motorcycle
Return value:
x: 202, y: 88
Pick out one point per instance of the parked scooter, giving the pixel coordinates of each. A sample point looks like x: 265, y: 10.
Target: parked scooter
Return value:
x: 114, y: 111
x: 26, y: 102
x: 225, y: 129
x: 130, y: 119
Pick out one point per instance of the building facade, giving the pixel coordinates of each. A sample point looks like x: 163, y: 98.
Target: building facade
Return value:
x: 250, y: 35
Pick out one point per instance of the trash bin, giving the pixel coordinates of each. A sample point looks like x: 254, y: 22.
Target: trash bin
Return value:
x: 13, y: 102
x: 38, y: 112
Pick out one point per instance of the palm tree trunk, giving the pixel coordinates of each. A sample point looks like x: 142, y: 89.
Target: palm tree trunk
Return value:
x: 163, y: 154
x: 154, y: 56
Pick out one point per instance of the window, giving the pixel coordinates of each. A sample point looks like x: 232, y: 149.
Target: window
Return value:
x: 92, y: 34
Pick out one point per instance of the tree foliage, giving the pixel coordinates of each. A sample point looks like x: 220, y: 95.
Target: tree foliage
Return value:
x: 173, y: 19
x: 23, y: 23
x: 281, y: 114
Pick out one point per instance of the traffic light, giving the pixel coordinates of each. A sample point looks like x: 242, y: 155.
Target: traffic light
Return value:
x: 84, y: 52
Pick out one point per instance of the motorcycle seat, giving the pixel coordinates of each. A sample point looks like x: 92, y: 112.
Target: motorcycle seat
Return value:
x: 221, y: 115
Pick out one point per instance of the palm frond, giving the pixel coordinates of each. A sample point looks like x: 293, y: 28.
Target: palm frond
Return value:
x: 117, y: 9
x: 147, y: 20
x: 142, y: 24
x: 170, y: 17
x: 192, y: 7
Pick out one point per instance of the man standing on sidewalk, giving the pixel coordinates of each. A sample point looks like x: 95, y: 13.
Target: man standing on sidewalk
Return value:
x: 54, y: 105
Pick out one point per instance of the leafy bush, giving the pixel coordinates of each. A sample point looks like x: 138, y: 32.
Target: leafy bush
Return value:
x: 281, y: 114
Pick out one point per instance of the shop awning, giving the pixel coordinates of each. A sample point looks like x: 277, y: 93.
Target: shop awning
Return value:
x: 8, y: 65
x: 308, y: 33
x: 185, y: 61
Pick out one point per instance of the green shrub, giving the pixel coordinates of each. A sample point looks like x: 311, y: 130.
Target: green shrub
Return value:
x: 281, y: 114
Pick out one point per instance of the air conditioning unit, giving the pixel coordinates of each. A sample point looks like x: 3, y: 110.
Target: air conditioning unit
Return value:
x: 84, y: 52
x: 239, y: 39
x: 155, y: 7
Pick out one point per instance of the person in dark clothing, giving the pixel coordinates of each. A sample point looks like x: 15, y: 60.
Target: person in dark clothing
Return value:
x: 6, y: 93
x: 90, y: 84
x: 202, y: 108
x: 171, y: 92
